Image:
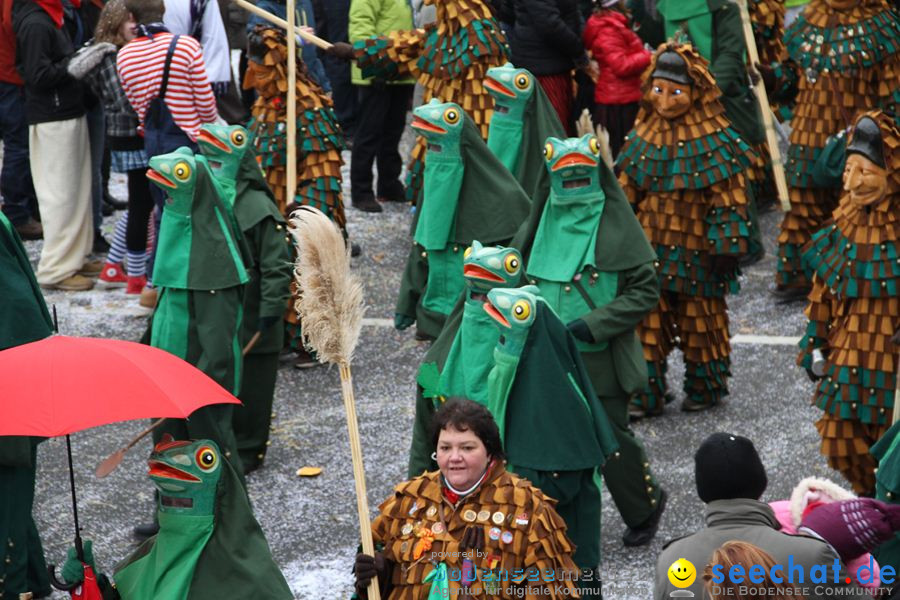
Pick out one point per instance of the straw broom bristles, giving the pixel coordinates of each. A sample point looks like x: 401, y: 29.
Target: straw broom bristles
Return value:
x: 330, y: 302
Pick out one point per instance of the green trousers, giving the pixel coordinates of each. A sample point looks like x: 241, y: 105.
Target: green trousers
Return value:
x: 252, y: 420
x: 578, y: 502
x: 22, y: 566
x: 627, y: 472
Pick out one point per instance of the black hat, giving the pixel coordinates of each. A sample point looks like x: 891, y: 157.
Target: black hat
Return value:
x: 866, y: 140
x: 256, y: 45
x: 727, y: 466
x: 670, y: 65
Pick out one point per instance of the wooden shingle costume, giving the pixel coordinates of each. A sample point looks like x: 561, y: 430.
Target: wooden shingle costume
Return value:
x: 449, y: 58
x: 683, y: 169
x: 851, y: 341
x: 847, y: 59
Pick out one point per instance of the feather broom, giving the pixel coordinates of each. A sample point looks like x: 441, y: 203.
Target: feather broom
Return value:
x: 330, y: 307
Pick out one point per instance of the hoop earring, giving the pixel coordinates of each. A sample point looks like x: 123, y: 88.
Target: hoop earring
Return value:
x: 434, y: 456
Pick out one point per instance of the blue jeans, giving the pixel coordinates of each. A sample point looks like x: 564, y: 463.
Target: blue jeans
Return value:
x: 16, y: 188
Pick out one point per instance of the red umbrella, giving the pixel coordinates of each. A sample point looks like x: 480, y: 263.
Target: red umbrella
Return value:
x: 50, y: 388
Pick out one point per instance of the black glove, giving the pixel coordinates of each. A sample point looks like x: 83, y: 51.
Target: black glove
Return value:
x: 723, y: 264
x: 472, y: 539
x: 265, y: 323
x: 767, y: 74
x: 367, y: 567
x: 580, y: 330
x: 341, y: 50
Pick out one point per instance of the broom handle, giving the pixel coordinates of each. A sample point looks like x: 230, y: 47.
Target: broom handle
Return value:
x: 896, y: 416
x: 763, y: 98
x: 312, y: 39
x: 359, y: 474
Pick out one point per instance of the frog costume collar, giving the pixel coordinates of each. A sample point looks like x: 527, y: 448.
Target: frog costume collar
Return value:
x: 209, y: 546
x: 523, y: 118
x: 211, y: 259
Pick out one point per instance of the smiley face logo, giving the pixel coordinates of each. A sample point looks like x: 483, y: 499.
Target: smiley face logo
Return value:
x: 682, y: 573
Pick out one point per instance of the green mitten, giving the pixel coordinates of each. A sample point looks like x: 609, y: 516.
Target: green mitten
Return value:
x: 72, y: 571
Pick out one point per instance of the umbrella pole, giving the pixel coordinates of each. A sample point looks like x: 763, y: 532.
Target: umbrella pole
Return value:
x: 79, y: 549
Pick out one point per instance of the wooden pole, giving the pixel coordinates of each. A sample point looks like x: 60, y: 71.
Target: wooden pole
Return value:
x: 768, y: 118
x: 896, y: 416
x: 359, y: 474
x: 312, y: 39
x: 291, y: 103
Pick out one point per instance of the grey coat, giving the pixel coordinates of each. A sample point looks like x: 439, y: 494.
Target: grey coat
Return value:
x: 749, y: 521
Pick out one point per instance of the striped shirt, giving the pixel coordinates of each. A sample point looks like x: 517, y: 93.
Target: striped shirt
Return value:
x: 189, y: 95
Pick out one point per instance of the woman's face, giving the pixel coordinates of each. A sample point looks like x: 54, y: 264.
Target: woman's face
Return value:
x: 670, y: 99
x: 126, y: 30
x: 865, y: 181
x: 461, y: 457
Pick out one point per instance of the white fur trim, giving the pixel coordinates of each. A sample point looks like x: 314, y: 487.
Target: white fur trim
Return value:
x: 815, y: 488
x: 89, y: 58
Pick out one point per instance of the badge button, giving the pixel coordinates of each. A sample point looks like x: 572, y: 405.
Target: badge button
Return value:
x: 404, y: 547
x: 413, y: 508
x: 406, y: 529
x: 498, y: 518
x: 432, y: 510
x: 484, y: 516
x: 469, y: 516
x: 494, y: 533
x: 507, y: 537
x: 437, y: 528
x: 522, y: 519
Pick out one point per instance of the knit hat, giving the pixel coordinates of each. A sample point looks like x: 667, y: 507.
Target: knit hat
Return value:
x: 727, y: 466
x: 853, y: 527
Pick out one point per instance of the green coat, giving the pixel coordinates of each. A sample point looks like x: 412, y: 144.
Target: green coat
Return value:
x: 622, y: 248
x: 714, y: 27
x: 267, y: 291
x: 23, y: 319
x: 371, y: 18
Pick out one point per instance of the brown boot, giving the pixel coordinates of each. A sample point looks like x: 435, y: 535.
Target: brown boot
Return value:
x: 75, y: 283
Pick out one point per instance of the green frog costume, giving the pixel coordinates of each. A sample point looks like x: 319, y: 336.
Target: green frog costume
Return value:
x: 200, y: 274
x: 468, y: 195
x: 586, y: 252
x: 523, y: 118
x: 230, y: 153
x: 209, y: 545
x: 539, y: 389
x: 23, y: 319
x: 458, y: 362
x: 887, y: 487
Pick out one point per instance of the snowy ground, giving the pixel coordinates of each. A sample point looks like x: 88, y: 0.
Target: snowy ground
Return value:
x: 311, y: 523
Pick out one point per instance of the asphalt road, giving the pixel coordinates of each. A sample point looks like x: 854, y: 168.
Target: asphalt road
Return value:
x: 311, y: 523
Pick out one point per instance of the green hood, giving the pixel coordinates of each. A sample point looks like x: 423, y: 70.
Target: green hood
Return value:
x: 621, y: 242
x: 251, y: 182
x: 236, y: 561
x: 552, y: 399
x: 491, y: 205
x: 200, y: 247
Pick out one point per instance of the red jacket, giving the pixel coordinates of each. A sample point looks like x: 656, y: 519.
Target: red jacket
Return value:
x: 621, y: 56
x: 8, y: 72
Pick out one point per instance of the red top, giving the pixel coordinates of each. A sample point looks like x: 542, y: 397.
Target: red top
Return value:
x: 621, y: 56
x: 189, y: 95
x: 8, y: 73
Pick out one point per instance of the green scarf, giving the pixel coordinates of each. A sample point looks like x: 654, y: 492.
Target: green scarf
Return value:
x: 470, y: 359
x: 166, y: 570
x: 566, y: 239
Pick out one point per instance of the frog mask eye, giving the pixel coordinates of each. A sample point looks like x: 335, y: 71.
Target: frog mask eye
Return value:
x: 522, y: 81
x: 511, y: 264
x: 521, y: 310
x: 182, y: 171
x: 451, y: 116
x: 238, y: 138
x: 207, y: 458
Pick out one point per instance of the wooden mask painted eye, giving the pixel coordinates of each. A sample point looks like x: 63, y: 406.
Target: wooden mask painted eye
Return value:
x: 521, y: 310
x: 548, y: 150
x: 511, y: 264
x: 182, y: 171
x: 238, y: 138
x: 451, y: 115
x: 207, y: 459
